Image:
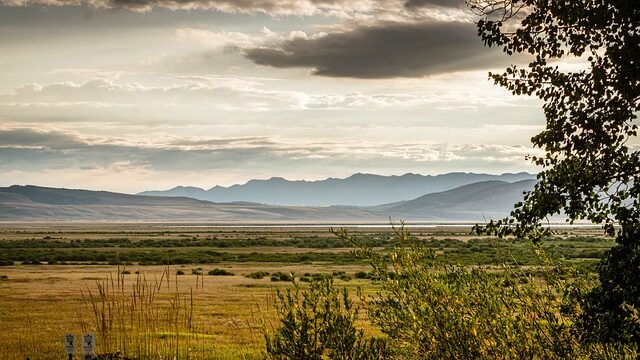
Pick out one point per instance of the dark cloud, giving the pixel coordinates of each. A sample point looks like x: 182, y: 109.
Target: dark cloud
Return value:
x: 280, y: 7
x: 457, y: 4
x: 384, y: 51
x: 31, y: 138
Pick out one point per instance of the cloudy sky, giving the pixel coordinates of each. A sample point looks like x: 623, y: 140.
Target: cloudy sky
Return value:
x: 132, y: 95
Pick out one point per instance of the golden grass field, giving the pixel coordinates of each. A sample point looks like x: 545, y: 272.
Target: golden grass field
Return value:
x: 41, y: 303
x: 194, y: 316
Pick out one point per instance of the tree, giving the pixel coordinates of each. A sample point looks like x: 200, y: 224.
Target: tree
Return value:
x: 591, y: 165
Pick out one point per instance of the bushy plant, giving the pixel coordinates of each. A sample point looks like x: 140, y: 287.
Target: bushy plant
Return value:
x: 220, y: 272
x: 319, y: 323
x: 428, y: 309
x: 280, y: 276
x: 361, y: 275
x: 433, y: 310
x: 256, y: 275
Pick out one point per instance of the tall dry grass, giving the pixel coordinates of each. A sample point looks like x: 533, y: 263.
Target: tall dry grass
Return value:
x: 144, y: 318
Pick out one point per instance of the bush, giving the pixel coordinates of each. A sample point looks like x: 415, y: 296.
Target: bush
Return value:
x: 3, y: 277
x: 320, y: 324
x: 220, y: 272
x: 430, y: 310
x: 126, y: 272
x: 179, y: 272
x: 361, y: 275
x: 280, y: 276
x: 196, y: 272
x: 320, y: 276
x: 256, y: 275
x: 285, y: 277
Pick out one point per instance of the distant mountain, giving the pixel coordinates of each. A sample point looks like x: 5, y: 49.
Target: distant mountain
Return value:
x: 478, y: 201
x: 34, y: 203
x: 473, y: 202
x: 356, y: 190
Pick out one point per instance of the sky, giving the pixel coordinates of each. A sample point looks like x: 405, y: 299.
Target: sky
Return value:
x: 134, y: 95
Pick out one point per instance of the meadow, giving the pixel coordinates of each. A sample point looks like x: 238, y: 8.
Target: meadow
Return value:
x: 202, y: 292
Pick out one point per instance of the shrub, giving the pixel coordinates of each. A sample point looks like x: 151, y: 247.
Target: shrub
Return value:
x: 430, y: 310
x: 320, y: 324
x: 196, y: 272
x: 3, y: 277
x: 361, y: 275
x: 179, y: 272
x: 285, y: 277
x: 320, y: 276
x: 220, y: 272
x: 280, y: 276
x: 256, y: 275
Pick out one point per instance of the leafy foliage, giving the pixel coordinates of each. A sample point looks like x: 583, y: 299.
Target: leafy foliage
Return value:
x: 319, y: 323
x: 590, y: 171
x: 431, y: 310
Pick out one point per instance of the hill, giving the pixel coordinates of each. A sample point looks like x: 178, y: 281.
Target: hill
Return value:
x: 478, y: 201
x: 34, y: 203
x: 473, y: 202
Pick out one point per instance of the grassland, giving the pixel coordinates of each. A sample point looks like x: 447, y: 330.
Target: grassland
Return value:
x: 52, y: 274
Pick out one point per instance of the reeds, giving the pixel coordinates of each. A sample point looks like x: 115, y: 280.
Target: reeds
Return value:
x: 142, y: 318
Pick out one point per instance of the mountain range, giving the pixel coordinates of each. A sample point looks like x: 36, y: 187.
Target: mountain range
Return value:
x: 474, y: 202
x: 357, y: 190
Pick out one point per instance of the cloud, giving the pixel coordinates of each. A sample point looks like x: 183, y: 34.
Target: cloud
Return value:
x: 27, y: 138
x: 271, y: 7
x: 197, y: 95
x: 385, y: 50
x: 412, y: 4
x: 30, y: 150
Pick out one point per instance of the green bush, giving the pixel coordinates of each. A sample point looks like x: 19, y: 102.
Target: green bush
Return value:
x: 220, y: 272
x: 361, y: 275
x: 319, y: 323
x: 429, y: 309
x: 256, y: 275
x: 280, y: 276
x: 179, y: 272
